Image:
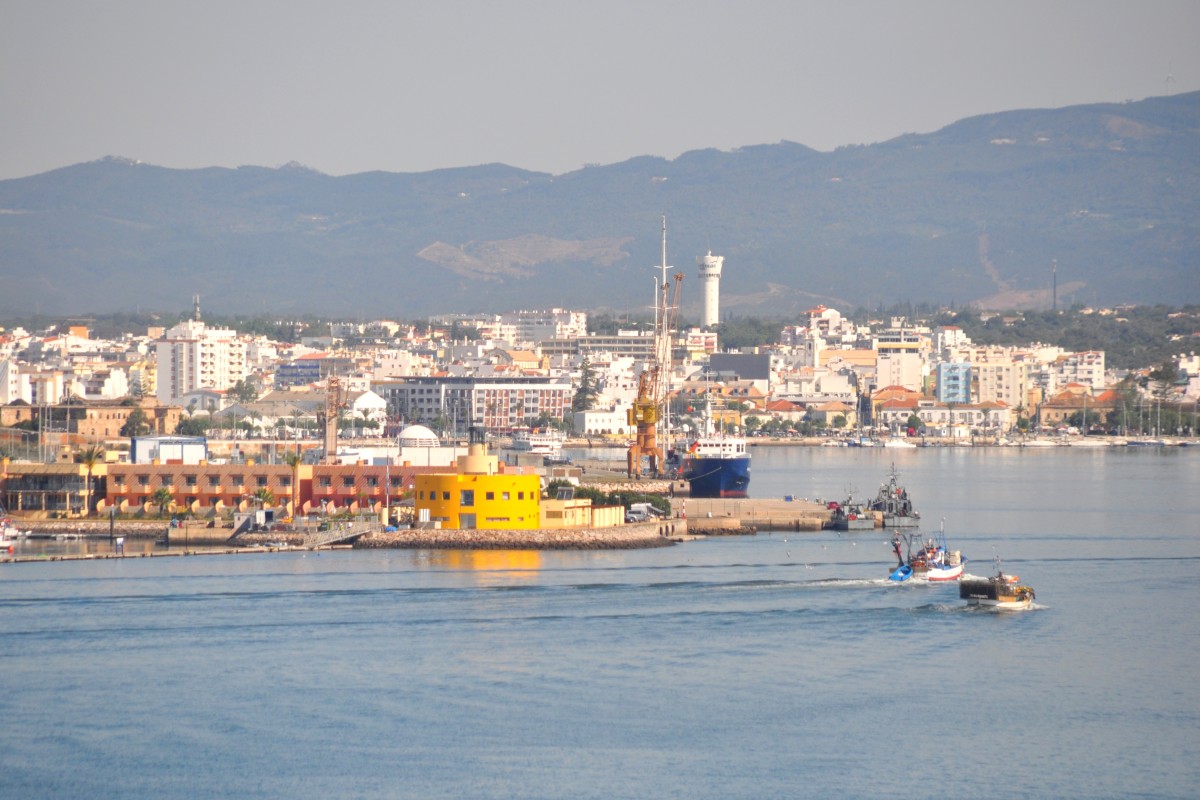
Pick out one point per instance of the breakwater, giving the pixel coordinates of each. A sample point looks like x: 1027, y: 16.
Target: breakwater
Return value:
x: 727, y: 517
x: 625, y: 537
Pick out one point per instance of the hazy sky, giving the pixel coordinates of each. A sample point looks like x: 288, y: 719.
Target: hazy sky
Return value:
x: 400, y: 86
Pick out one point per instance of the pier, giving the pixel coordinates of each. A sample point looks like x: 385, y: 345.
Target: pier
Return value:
x: 721, y: 516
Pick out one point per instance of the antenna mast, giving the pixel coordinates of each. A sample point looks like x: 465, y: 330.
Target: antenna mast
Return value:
x: 1054, y: 294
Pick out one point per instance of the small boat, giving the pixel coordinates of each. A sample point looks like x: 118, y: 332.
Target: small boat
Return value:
x: 894, y: 503
x: 999, y: 591
x: 9, y: 533
x: 931, y: 561
x: 851, y: 516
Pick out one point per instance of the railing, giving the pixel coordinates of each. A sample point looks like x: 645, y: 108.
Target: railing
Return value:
x: 341, y: 533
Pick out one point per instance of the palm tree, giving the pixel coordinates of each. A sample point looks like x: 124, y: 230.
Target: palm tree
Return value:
x: 265, y: 497
x: 90, y: 456
x: 162, y: 498
x: 294, y: 460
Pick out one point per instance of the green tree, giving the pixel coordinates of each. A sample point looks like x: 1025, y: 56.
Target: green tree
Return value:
x: 1160, y: 379
x: 586, y: 394
x: 840, y: 421
x: 90, y: 456
x: 193, y: 426
x: 294, y: 460
x: 463, y: 332
x: 136, y: 424
x: 162, y: 498
x: 245, y: 390
x: 914, y: 422
x: 265, y: 497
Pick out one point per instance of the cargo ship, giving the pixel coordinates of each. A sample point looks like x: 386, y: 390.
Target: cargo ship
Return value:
x: 717, y: 466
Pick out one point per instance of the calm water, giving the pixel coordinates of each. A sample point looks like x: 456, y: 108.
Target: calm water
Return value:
x: 779, y: 665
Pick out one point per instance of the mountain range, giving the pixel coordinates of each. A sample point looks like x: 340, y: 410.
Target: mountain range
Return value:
x: 1093, y: 204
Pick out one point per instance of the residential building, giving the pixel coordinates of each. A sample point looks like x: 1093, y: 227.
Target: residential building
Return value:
x: 193, y: 356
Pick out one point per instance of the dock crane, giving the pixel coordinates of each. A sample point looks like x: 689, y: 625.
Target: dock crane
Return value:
x: 653, y: 383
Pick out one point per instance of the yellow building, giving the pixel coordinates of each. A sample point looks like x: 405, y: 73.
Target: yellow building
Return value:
x: 479, y: 495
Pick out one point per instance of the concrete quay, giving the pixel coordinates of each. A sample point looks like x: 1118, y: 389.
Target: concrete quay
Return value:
x: 716, y: 517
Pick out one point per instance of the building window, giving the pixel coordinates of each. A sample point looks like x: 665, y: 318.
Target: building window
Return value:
x: 261, y: 480
x: 372, y: 480
x: 347, y: 481
x: 214, y: 480
x: 239, y: 481
x: 504, y: 496
x: 326, y: 481
x: 143, y: 480
x: 445, y: 495
x: 189, y: 480
x: 468, y: 497
x: 520, y: 495
x: 286, y: 480
x: 490, y: 495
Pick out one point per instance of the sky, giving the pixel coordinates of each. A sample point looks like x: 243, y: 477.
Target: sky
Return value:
x: 416, y: 85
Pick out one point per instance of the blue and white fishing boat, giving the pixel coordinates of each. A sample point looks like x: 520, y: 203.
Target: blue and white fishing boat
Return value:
x: 931, y: 560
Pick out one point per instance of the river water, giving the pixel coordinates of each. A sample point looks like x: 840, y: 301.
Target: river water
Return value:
x: 776, y: 665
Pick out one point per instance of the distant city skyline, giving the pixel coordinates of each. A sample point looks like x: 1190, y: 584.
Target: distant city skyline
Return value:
x: 548, y: 86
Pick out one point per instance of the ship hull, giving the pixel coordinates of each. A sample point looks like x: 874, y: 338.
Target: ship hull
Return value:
x: 717, y: 477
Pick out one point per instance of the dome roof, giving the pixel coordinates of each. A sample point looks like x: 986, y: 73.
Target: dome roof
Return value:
x: 418, y: 436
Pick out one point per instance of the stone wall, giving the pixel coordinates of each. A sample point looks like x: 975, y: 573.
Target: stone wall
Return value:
x: 626, y: 537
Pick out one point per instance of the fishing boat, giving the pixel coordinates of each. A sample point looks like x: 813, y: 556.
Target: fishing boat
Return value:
x: 929, y: 560
x: 999, y: 591
x: 851, y: 516
x: 893, y: 501
x: 716, y: 465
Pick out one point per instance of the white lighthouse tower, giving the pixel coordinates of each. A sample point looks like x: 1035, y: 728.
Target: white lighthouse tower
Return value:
x: 710, y: 281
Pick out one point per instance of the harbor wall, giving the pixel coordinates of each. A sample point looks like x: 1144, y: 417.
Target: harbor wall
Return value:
x: 624, y: 537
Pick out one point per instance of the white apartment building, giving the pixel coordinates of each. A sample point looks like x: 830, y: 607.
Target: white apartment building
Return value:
x: 499, y: 404
x: 193, y: 356
x: 1085, y: 368
x: 901, y: 368
x: 532, y: 327
x: 947, y: 339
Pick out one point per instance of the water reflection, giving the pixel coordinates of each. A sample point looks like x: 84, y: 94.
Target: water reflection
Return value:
x: 515, y: 564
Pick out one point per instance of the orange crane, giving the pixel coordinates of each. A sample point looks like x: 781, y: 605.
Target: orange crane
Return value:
x: 647, y: 410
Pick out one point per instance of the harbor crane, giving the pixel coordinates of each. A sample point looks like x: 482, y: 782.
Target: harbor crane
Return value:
x: 648, y: 408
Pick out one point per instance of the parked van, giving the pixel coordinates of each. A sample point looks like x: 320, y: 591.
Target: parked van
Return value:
x: 641, y: 512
